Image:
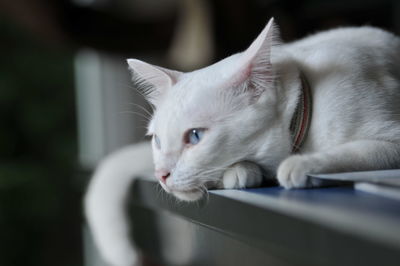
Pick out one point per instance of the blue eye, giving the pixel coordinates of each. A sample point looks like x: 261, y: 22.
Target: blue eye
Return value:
x: 194, y: 135
x: 157, y: 141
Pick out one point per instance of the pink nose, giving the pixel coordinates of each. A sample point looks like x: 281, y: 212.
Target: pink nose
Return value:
x: 162, y: 175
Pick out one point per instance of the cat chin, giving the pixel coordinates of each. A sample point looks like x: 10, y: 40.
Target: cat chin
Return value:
x: 191, y: 195
x: 184, y: 195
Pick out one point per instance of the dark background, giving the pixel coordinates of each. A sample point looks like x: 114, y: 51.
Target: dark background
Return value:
x: 40, y: 184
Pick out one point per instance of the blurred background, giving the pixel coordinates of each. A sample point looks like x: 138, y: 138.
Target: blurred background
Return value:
x: 66, y: 100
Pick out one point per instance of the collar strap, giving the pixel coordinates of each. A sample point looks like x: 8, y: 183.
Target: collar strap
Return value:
x: 302, y: 115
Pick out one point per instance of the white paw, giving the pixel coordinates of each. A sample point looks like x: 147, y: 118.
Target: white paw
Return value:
x: 241, y: 175
x: 292, y: 172
x: 121, y: 256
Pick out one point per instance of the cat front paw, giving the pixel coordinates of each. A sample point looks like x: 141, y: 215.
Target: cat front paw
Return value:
x: 292, y: 172
x: 241, y: 175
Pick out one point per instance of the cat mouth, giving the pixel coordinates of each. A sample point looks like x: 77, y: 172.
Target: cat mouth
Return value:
x: 185, y: 194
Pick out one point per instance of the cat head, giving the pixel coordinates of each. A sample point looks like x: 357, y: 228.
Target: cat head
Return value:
x: 206, y: 120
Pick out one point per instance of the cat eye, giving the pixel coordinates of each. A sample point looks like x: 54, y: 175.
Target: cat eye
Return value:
x: 157, y: 141
x: 194, y: 135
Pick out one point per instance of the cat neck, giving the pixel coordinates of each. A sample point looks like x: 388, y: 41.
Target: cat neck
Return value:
x: 277, y: 141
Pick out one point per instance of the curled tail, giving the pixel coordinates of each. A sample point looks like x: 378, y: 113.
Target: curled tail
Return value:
x: 105, y: 201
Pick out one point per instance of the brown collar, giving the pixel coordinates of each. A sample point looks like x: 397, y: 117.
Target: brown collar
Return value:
x: 301, y: 119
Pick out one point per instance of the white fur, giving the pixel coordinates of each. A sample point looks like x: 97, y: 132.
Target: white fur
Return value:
x: 242, y: 175
x: 246, y: 103
x: 106, y: 199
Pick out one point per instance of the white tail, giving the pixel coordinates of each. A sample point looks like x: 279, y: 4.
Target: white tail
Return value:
x: 105, y: 202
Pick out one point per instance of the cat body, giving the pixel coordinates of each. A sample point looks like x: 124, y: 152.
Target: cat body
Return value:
x: 228, y: 125
x: 354, y: 77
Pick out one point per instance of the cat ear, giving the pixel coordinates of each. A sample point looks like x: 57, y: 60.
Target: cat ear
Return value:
x: 254, y: 72
x: 154, y: 81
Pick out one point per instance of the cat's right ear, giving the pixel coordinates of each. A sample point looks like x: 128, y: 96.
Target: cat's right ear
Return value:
x: 152, y: 80
x: 253, y: 72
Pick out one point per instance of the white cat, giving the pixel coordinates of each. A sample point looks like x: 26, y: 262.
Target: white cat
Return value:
x: 333, y: 97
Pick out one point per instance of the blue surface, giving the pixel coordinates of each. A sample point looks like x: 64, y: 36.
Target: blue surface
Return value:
x: 343, y: 197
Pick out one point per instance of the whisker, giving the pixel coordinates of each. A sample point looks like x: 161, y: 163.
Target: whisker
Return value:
x: 135, y: 113
x: 144, y: 109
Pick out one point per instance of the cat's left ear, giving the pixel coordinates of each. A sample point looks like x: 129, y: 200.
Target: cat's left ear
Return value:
x: 154, y: 81
x: 254, y: 67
